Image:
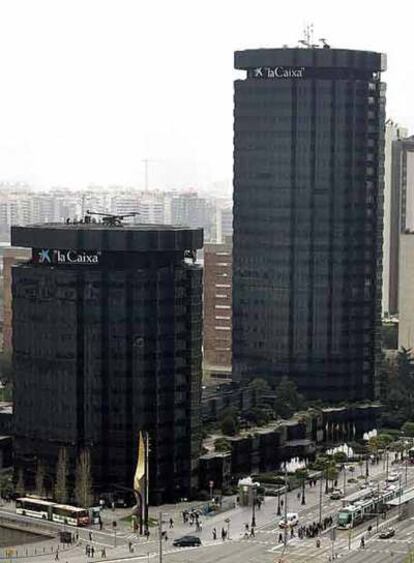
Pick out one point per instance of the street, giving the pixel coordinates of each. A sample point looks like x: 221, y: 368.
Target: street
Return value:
x: 263, y: 547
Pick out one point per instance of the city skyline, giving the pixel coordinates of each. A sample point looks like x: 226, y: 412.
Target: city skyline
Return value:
x: 91, y: 94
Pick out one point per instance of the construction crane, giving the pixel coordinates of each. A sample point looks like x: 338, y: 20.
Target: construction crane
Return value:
x: 110, y: 219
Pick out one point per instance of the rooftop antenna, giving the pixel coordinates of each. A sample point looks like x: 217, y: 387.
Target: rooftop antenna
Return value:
x: 307, y: 40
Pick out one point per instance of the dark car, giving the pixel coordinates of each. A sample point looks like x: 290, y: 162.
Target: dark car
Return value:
x: 388, y: 533
x: 187, y: 541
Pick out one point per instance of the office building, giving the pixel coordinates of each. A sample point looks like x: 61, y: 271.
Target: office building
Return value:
x: 400, y: 214
x: 406, y: 292
x: 393, y: 132
x: 217, y: 330
x: 107, y: 342
x: 190, y: 209
x: 307, y: 245
x: 11, y: 257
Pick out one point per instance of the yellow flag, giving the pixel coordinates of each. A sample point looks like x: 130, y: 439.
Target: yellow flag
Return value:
x: 140, y: 470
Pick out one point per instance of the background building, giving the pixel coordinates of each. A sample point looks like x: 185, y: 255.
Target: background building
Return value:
x: 107, y: 342
x: 401, y: 217
x: 308, y: 186
x: 406, y: 292
x: 392, y: 192
x: 217, y: 329
x: 11, y: 257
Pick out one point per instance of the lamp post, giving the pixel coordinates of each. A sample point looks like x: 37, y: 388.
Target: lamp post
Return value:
x: 253, y: 506
x: 278, y: 503
x: 344, y: 480
x: 386, y: 464
x: 320, y: 497
x: 303, y: 501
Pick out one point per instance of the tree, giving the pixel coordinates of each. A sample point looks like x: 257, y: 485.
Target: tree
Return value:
x: 83, y: 486
x: 40, y: 480
x: 229, y: 426
x: 256, y: 415
x: 6, y: 368
x: 288, y: 400
x: 62, y: 470
x: 222, y: 445
x: 20, y: 487
x: 260, y: 386
x: 340, y: 457
x: 408, y: 429
x: 6, y: 485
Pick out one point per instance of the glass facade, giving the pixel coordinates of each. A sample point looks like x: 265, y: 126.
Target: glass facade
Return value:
x: 104, y: 350
x: 308, y: 169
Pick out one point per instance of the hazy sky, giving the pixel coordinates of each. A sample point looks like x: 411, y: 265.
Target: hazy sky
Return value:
x: 89, y: 88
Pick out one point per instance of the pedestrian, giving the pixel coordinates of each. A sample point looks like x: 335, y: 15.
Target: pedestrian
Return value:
x: 280, y: 538
x: 147, y: 533
x: 87, y: 550
x: 171, y: 523
x: 246, y: 527
x: 90, y: 536
x: 92, y: 551
x: 57, y: 555
x: 113, y: 506
x: 100, y: 523
x: 282, y: 502
x: 362, y: 542
x: 130, y: 546
x: 214, y: 534
x: 298, y: 496
x: 223, y: 534
x: 252, y: 532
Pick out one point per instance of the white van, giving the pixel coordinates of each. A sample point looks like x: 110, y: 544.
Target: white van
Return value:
x: 292, y: 519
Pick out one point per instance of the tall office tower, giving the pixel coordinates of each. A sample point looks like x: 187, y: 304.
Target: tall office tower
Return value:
x: 401, y: 213
x: 218, y: 266
x: 307, y: 246
x: 11, y: 256
x: 406, y: 291
x: 393, y: 132
x: 107, y: 342
x: 190, y: 209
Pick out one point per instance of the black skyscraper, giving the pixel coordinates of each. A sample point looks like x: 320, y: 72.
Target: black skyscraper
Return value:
x: 107, y: 342
x: 308, y: 183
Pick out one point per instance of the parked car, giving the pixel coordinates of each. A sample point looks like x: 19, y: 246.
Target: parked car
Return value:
x: 336, y: 494
x: 187, y: 541
x: 392, y: 477
x: 387, y: 533
x: 292, y: 519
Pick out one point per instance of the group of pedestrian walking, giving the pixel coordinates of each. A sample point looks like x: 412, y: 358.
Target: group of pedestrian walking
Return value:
x: 223, y: 534
x: 246, y: 531
x: 191, y: 517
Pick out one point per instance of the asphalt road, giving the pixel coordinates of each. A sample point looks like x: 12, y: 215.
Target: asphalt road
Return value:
x: 263, y: 548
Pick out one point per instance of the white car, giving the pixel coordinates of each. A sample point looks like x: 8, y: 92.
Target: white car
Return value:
x: 292, y: 519
x: 392, y: 477
x: 336, y: 494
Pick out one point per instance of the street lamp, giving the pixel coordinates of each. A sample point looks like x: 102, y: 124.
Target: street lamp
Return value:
x: 303, y: 501
x: 253, y: 506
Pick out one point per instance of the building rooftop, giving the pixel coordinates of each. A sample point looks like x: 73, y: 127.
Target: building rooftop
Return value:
x: 102, y: 237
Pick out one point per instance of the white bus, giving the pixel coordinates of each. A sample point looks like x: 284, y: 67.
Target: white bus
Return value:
x: 46, y: 510
x: 66, y: 514
x: 36, y: 508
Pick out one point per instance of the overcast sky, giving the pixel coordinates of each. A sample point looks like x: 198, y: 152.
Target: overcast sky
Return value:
x: 89, y: 88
